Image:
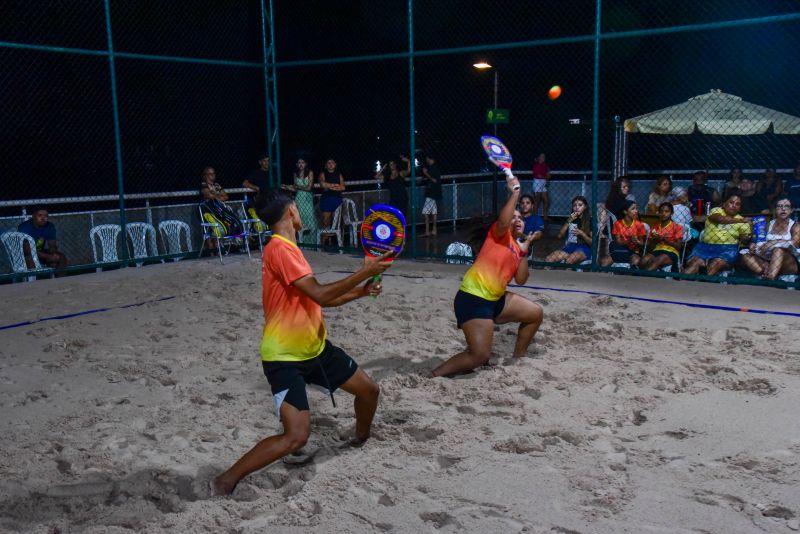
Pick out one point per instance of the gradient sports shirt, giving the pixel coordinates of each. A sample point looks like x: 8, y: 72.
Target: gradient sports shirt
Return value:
x: 494, y: 268
x: 671, y: 232
x: 294, y: 330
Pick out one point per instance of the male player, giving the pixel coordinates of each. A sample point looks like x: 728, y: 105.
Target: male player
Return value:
x: 294, y: 348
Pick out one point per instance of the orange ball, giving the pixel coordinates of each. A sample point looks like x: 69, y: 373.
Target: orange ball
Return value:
x: 554, y: 92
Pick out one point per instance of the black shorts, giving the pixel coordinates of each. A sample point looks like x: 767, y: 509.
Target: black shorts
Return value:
x: 332, y: 368
x: 469, y: 306
x: 672, y: 256
x: 620, y: 254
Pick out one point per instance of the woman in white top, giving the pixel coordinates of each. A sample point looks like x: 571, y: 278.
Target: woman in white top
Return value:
x: 778, y: 254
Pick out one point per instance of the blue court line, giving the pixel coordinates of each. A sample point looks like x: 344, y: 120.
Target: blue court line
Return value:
x: 660, y: 301
x: 78, y: 314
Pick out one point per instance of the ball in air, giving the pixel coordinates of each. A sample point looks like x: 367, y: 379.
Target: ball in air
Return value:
x: 554, y: 92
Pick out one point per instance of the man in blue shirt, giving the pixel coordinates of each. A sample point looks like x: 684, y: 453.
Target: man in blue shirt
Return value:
x: 533, y: 223
x: 43, y: 233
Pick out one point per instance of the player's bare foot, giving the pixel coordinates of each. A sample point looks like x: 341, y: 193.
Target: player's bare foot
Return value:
x: 219, y: 487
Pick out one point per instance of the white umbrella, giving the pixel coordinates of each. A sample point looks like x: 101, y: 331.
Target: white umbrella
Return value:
x: 714, y: 113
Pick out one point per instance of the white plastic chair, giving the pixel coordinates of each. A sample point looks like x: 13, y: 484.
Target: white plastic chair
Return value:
x: 142, y: 238
x: 351, y: 220
x: 459, y: 249
x: 171, y: 236
x: 108, y: 234
x: 14, y: 243
x: 335, y: 228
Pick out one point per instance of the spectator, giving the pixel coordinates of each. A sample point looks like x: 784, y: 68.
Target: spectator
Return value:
x: 258, y: 179
x: 733, y: 182
x: 793, y: 187
x: 395, y: 179
x: 660, y: 194
x: 618, y: 195
x: 769, y: 187
x: 214, y: 198
x: 628, y: 238
x: 534, y: 224
x: 700, y: 191
x: 775, y: 256
x: 302, y: 185
x: 332, y: 183
x: 541, y: 176
x: 752, y: 202
x: 432, y: 177
x: 578, y: 232
x: 718, y: 248
x: 43, y: 233
x: 681, y: 213
x: 667, y: 235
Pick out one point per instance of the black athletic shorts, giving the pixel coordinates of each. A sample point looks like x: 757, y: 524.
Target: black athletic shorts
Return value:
x: 332, y: 368
x: 672, y: 256
x: 469, y: 306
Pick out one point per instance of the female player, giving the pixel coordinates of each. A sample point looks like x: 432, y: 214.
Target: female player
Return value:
x: 482, y: 301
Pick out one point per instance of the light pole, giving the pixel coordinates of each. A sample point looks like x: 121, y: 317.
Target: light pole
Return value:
x: 485, y: 66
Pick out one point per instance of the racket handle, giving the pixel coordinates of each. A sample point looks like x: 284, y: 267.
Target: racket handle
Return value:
x: 510, y: 176
x: 376, y: 280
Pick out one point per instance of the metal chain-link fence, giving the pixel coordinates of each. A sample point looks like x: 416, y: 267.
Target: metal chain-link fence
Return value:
x: 115, y: 112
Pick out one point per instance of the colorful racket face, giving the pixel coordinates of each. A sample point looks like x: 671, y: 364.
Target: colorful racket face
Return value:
x: 497, y: 151
x: 383, y: 230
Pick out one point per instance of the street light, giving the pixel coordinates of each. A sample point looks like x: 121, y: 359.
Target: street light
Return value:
x: 482, y: 65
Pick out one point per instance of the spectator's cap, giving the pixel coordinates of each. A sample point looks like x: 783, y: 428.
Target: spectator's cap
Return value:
x: 677, y: 192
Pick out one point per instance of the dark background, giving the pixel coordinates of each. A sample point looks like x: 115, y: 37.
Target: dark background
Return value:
x: 56, y: 121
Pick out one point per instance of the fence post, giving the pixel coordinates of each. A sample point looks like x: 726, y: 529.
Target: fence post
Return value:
x: 115, y: 110
x: 595, y: 133
x: 412, y: 127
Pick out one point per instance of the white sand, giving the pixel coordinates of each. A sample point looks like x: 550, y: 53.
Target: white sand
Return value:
x: 628, y: 416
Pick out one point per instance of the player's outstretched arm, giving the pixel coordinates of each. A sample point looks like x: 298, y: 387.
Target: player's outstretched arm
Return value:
x: 507, y: 211
x: 341, y: 291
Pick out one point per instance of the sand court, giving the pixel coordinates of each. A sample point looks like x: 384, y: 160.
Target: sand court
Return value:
x: 627, y: 415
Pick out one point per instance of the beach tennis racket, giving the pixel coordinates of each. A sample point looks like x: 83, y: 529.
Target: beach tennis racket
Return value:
x: 383, y: 230
x: 498, y: 153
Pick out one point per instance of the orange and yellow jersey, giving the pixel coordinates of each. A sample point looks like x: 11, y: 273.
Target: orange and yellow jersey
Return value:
x: 671, y: 232
x: 293, y: 329
x: 494, y: 267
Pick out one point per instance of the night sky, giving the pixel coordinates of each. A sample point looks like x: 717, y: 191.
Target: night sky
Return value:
x: 57, y: 135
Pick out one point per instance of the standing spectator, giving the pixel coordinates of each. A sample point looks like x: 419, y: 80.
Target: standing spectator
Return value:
x: 541, y: 176
x: 793, y: 187
x: 302, y: 185
x: 534, y: 224
x: 43, y: 233
x: 432, y: 177
x: 752, y: 202
x: 775, y: 255
x: 700, y: 191
x: 769, y: 187
x: 733, y: 182
x: 668, y: 237
x: 618, y: 195
x: 660, y: 194
x: 578, y: 232
x: 395, y: 179
x: 719, y: 246
x: 258, y: 179
x: 628, y: 238
x: 332, y: 183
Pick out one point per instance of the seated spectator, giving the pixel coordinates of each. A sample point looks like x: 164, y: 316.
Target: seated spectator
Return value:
x: 618, y: 195
x: 659, y: 195
x: 776, y: 255
x: 578, y: 231
x: 258, y: 179
x: 214, y: 198
x: 43, y: 233
x: 667, y: 236
x: 793, y: 187
x: 628, y: 235
x: 752, y: 202
x: 769, y: 187
x: 733, y: 182
x: 700, y: 191
x: 719, y: 245
x: 534, y: 224
x: 681, y: 213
